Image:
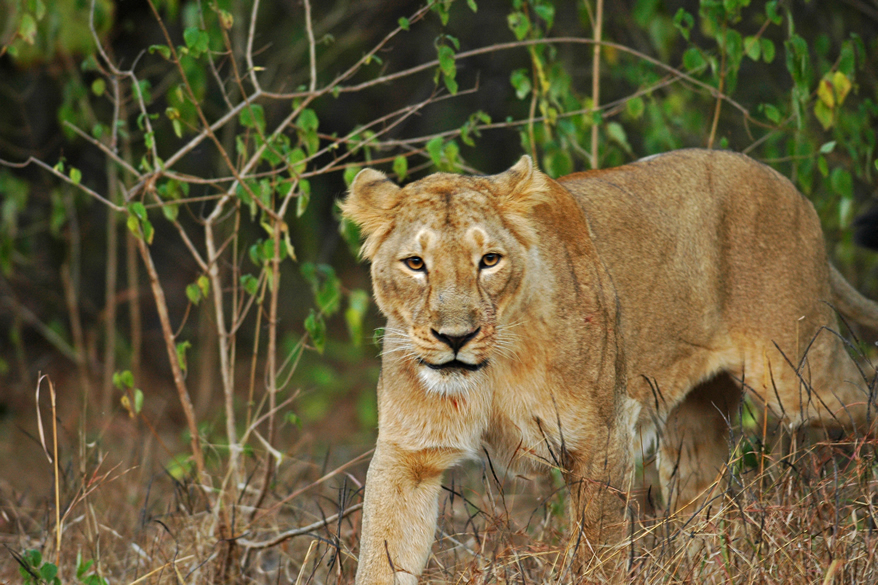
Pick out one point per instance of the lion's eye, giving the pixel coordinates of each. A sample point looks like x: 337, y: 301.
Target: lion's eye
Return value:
x: 489, y: 260
x: 415, y: 263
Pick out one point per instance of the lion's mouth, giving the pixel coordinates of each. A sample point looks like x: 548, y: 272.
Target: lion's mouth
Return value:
x: 455, y: 364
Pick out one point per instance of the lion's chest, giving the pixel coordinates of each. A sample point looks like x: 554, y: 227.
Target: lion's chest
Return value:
x: 532, y: 425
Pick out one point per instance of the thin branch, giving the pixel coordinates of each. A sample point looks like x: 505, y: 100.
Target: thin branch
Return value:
x: 251, y: 544
x: 105, y: 149
x: 168, y: 334
x: 596, y: 79
x: 312, y: 49
x: 65, y: 178
x: 251, y: 34
x: 714, y: 92
x: 47, y: 332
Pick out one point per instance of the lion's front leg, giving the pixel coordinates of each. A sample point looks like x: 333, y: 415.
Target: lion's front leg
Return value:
x: 597, y: 485
x: 399, y: 513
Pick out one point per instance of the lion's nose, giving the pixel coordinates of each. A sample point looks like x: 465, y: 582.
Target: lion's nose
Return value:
x: 455, y: 342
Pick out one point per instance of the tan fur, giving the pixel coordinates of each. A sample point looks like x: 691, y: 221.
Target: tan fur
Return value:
x: 648, y: 293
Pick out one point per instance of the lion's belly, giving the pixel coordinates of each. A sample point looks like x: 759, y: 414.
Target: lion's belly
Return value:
x: 659, y: 385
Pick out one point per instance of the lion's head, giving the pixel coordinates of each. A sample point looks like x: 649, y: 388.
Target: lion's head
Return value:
x: 449, y: 255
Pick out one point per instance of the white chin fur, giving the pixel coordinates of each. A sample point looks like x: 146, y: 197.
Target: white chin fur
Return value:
x: 446, y: 384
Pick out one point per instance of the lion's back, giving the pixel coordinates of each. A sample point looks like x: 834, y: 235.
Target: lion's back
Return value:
x: 699, y: 242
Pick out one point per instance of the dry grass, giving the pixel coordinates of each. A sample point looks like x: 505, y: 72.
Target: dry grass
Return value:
x: 809, y: 517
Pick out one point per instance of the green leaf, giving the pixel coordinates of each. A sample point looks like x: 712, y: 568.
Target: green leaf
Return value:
x: 767, y: 50
x: 123, y: 380
x: 827, y: 147
x: 845, y: 210
x: 546, y: 12
x: 307, y: 120
x: 256, y: 254
x: 400, y: 167
x: 204, y: 285
x: 403, y: 23
x: 171, y: 212
x: 193, y: 293
x: 616, y: 133
x: 451, y: 153
x: 181, y: 354
x: 824, y: 115
x: 350, y: 233
x: 520, y: 80
x: 253, y: 116
x: 316, y: 328
x: 823, y: 166
x: 771, y: 112
x: 446, y: 61
x: 82, y: 568
x: 450, y: 84
x: 39, y: 9
x: 472, y: 5
x: 519, y: 24
x: 753, y: 47
x: 138, y: 209
x: 134, y: 226
x: 434, y: 149
x: 358, y: 303
x: 226, y: 19
x: 771, y: 12
x: 138, y: 399
x: 842, y: 183
x: 635, y: 107
x: 33, y: 557
x: 98, y: 86
x: 250, y: 284
x: 27, y: 28
x: 162, y: 50
x: 350, y: 174
x: 328, y: 296
x: 734, y: 47
x: 302, y: 202
x: 798, y: 61
x: 197, y: 41
x: 148, y: 231
x: 296, y: 160
x: 693, y: 59
x: 684, y: 22
x: 48, y: 571
x: 75, y: 175
x: 292, y: 418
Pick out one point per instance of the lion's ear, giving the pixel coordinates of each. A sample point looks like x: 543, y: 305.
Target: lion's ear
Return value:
x: 518, y: 190
x: 370, y: 204
x: 522, y: 186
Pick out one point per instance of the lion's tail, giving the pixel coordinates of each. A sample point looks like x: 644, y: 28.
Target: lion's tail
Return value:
x: 850, y: 303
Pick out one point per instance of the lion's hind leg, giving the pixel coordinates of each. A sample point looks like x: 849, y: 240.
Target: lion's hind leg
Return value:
x: 826, y: 387
x: 694, y: 445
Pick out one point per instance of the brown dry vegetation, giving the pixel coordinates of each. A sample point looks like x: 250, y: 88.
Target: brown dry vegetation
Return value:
x: 801, y: 510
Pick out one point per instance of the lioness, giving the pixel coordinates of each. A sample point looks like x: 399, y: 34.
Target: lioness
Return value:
x: 548, y: 321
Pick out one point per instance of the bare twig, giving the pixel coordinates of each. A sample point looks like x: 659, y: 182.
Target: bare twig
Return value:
x: 179, y: 381
x: 596, y: 79
x: 283, y: 536
x: 312, y: 49
x: 63, y: 177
